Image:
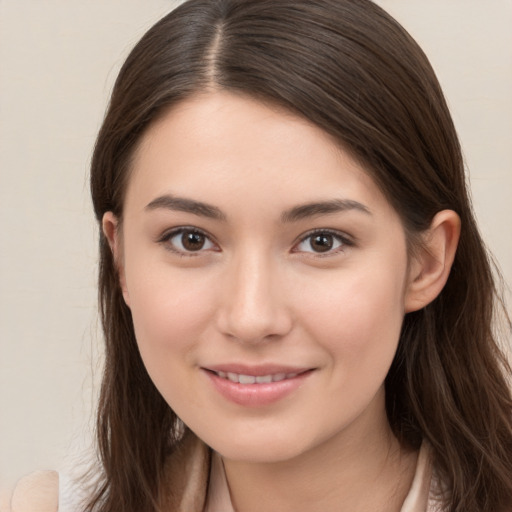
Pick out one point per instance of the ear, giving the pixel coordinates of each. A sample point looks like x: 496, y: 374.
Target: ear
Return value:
x: 111, y: 230
x: 431, y: 265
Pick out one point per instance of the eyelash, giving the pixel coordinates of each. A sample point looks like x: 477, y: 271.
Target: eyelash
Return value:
x: 343, y: 240
x: 166, y: 238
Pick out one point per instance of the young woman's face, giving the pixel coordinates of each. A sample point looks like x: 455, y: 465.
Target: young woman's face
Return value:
x: 267, y: 276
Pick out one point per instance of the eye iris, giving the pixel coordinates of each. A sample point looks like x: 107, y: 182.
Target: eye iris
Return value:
x: 192, y: 241
x: 322, y: 243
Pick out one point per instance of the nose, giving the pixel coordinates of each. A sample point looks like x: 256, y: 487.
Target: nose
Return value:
x: 253, y: 308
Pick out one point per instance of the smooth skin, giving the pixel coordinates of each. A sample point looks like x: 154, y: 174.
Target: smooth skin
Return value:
x: 223, y: 259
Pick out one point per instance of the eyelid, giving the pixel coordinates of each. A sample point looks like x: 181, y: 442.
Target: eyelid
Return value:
x: 167, y: 235
x: 345, y: 239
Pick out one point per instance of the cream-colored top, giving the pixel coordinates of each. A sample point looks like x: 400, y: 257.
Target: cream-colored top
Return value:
x: 198, y: 484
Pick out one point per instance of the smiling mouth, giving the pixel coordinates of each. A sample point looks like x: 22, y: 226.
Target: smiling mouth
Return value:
x: 256, y: 386
x: 240, y: 378
x: 247, y: 379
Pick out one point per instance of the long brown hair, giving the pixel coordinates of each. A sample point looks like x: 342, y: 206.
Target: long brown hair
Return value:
x: 351, y: 69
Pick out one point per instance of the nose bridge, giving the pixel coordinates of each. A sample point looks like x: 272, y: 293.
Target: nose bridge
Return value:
x: 253, y: 306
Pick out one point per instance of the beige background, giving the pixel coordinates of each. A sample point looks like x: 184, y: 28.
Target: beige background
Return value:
x: 58, y: 60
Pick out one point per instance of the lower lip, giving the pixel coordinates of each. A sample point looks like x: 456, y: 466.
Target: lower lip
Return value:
x: 256, y: 395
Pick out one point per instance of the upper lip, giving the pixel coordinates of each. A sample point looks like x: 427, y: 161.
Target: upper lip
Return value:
x: 256, y: 370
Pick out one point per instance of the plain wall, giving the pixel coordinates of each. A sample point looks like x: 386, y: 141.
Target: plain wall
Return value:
x: 58, y: 60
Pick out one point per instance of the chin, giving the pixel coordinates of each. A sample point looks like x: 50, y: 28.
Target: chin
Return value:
x: 263, y: 448
x: 258, y: 454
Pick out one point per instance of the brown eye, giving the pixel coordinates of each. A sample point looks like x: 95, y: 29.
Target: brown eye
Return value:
x: 192, y: 241
x: 322, y: 243
x: 187, y: 241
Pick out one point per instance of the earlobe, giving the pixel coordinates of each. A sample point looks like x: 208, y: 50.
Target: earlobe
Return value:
x: 111, y: 230
x: 431, y: 265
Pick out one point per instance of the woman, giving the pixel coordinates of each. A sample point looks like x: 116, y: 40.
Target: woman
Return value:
x: 296, y: 301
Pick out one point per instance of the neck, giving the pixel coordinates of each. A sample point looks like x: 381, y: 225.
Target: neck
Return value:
x: 362, y: 468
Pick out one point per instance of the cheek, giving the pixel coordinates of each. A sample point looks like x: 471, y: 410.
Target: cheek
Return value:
x: 359, y: 318
x: 170, y: 311
x: 170, y: 314
x: 357, y: 325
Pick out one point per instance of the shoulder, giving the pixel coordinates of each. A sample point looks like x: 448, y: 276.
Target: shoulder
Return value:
x: 36, y: 492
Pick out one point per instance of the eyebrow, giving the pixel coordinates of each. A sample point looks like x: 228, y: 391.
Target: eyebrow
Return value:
x: 182, y: 204
x: 322, y: 208
x: 294, y: 214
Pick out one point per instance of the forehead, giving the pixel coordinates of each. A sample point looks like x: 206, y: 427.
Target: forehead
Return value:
x: 220, y: 146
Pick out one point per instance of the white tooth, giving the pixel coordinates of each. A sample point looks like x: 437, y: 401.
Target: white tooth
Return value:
x: 222, y: 374
x: 278, y: 376
x: 264, y: 379
x: 247, y: 379
x: 233, y: 377
x: 291, y: 375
